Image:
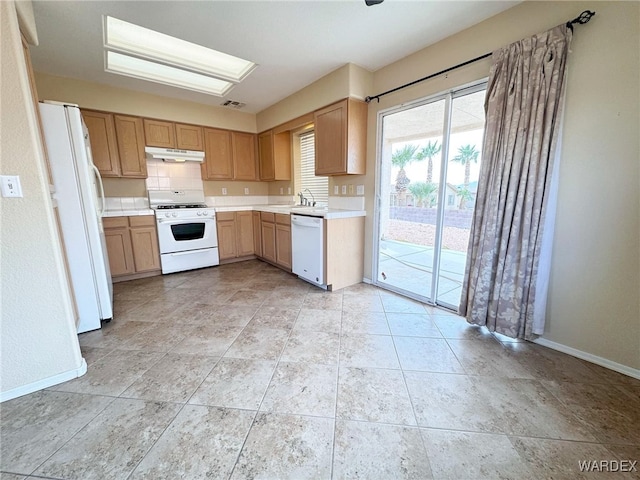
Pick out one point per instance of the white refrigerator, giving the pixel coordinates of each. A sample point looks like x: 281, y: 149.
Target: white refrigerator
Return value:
x: 79, y: 195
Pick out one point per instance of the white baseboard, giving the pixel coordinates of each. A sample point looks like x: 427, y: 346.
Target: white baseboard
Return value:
x: 367, y: 280
x: 589, y: 357
x: 44, y: 383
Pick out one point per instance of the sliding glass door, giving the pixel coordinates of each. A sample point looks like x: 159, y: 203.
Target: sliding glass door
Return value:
x: 428, y: 176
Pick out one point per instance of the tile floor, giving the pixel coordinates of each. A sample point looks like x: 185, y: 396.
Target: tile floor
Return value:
x: 243, y: 371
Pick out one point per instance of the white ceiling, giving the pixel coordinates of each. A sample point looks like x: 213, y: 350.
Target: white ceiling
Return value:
x: 294, y: 43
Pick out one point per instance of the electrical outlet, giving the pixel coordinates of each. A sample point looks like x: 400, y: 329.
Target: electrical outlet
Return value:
x: 350, y: 189
x: 360, y: 189
x: 11, y: 186
x: 288, y: 190
x: 336, y: 190
x: 246, y: 190
x: 281, y: 190
x: 344, y: 189
x: 224, y: 191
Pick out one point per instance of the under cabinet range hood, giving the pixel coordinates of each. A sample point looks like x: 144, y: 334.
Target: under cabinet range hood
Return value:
x: 173, y: 155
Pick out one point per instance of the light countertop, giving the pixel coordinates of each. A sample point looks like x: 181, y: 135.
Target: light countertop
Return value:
x: 328, y: 213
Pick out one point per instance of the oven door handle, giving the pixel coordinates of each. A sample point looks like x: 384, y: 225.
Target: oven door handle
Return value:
x: 182, y: 221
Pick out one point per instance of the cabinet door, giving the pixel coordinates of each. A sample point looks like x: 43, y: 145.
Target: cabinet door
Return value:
x: 269, y: 241
x: 144, y: 243
x: 283, y: 245
x: 104, y: 147
x: 189, y: 137
x: 265, y: 154
x: 159, y: 134
x: 227, y: 239
x: 218, y: 163
x: 330, y: 139
x: 130, y: 137
x: 244, y: 233
x: 244, y: 155
x: 257, y: 234
x: 120, y: 251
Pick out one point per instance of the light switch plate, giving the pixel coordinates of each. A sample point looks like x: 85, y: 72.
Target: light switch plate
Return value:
x: 10, y: 186
x: 360, y: 189
x: 336, y: 190
x: 224, y: 191
x: 246, y: 190
x: 344, y: 189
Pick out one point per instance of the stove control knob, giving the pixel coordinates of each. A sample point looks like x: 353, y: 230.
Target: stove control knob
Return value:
x: 167, y: 214
x: 205, y: 213
x: 199, y: 214
x: 174, y: 214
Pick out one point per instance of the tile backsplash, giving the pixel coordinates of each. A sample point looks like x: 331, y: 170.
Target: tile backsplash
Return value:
x: 173, y: 176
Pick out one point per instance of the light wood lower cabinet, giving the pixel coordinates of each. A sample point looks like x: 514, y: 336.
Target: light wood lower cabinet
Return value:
x: 283, y: 241
x: 268, y: 228
x: 132, y: 246
x: 257, y: 234
x: 276, y: 239
x: 235, y: 234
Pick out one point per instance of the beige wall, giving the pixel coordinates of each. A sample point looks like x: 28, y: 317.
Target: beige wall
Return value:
x: 37, y: 329
x: 234, y: 188
x: 595, y: 279
x: 112, y: 99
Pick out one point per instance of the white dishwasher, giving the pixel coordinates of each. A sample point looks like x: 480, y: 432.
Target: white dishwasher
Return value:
x: 307, y: 248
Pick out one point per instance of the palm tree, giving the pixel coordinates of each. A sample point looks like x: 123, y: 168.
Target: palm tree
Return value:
x: 401, y: 158
x: 423, y: 192
x: 465, y: 197
x: 466, y: 155
x: 428, y: 152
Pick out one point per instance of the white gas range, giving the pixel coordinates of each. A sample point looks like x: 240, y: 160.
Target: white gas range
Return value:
x: 187, y: 233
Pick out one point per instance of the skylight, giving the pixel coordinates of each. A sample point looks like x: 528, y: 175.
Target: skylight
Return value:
x: 156, y: 72
x: 157, y: 53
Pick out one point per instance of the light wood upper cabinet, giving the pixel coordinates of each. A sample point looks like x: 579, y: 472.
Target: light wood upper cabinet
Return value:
x: 218, y: 162
x: 159, y: 134
x: 244, y: 155
x: 104, y: 146
x: 274, y: 152
x: 130, y: 139
x: 340, y: 138
x: 189, y: 137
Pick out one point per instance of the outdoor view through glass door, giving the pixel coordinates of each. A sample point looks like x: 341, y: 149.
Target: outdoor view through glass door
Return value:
x: 430, y: 160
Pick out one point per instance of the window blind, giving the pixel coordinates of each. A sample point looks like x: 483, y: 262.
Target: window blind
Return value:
x: 319, y: 186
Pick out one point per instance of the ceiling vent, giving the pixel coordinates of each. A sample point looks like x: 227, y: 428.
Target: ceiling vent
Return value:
x: 233, y: 104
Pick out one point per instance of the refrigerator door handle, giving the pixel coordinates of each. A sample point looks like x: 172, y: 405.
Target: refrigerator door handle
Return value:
x: 97, y: 173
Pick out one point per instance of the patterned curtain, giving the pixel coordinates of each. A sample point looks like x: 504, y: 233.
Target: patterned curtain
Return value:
x: 505, y: 285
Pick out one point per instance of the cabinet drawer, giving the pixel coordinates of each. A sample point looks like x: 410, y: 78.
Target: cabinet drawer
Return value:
x: 115, y: 222
x: 142, y: 221
x: 225, y: 216
x: 283, y: 219
x: 268, y: 217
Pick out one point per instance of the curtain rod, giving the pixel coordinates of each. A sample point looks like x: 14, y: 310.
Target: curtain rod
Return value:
x: 581, y: 19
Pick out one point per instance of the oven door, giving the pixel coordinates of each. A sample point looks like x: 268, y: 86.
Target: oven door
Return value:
x: 181, y: 235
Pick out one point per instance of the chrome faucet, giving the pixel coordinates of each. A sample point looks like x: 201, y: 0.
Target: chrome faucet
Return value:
x: 303, y: 200
x: 312, y: 197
